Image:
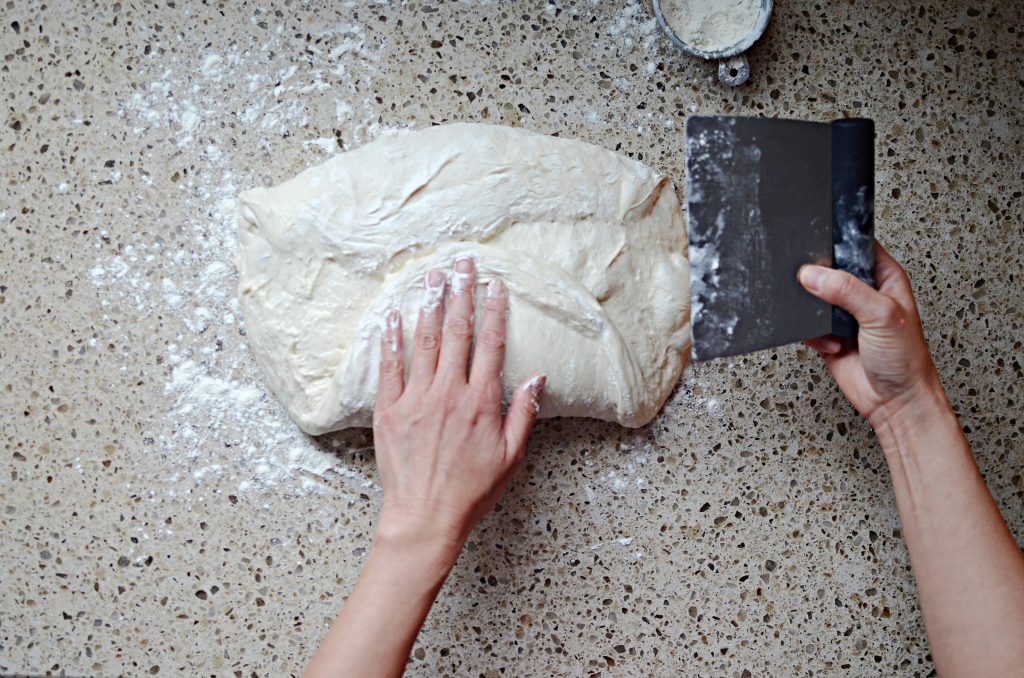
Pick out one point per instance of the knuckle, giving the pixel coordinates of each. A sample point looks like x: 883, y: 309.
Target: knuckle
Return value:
x: 392, y: 366
x: 449, y: 404
x: 475, y: 416
x: 489, y: 394
x: 382, y: 420
x: 491, y: 339
x: 417, y: 423
x: 494, y: 304
x: 459, y: 327
x: 889, y: 312
x: 427, y: 341
x: 842, y: 284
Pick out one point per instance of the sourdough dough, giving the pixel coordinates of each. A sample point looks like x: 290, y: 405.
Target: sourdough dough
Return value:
x: 589, y: 243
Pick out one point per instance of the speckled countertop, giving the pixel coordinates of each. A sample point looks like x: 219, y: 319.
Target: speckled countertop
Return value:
x: 160, y: 514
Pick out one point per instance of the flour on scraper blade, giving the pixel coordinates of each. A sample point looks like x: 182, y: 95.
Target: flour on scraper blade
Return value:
x: 590, y: 244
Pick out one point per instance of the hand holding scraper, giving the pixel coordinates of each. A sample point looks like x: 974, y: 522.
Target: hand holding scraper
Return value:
x: 764, y: 198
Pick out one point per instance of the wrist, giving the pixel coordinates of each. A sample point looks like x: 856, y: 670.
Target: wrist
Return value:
x: 918, y: 414
x: 430, y: 548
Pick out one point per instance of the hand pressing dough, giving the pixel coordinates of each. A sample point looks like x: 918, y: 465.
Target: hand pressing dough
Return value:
x: 590, y: 245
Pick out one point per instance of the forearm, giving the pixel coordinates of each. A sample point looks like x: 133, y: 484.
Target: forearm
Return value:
x: 382, y: 617
x: 969, y: 570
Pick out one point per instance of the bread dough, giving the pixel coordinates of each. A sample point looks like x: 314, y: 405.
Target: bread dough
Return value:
x: 590, y: 244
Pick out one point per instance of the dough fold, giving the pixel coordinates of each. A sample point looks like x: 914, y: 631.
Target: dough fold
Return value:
x: 590, y: 244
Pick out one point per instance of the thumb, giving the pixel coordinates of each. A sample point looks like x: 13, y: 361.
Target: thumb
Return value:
x: 522, y: 412
x: 871, y: 308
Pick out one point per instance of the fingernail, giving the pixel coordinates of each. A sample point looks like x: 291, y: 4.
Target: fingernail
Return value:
x: 463, y: 271
x: 391, y: 320
x: 495, y: 288
x: 812, y: 276
x: 433, y: 290
x: 536, y: 387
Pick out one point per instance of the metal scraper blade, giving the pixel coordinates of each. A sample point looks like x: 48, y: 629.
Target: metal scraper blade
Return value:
x: 759, y: 206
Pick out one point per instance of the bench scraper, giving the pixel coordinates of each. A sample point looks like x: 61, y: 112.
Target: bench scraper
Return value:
x: 764, y: 198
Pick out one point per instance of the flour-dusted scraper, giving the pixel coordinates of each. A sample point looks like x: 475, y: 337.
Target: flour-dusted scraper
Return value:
x: 765, y: 197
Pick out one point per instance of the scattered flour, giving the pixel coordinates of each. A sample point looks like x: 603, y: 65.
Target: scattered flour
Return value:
x: 223, y: 424
x: 634, y: 27
x: 625, y: 541
x: 324, y: 144
x: 277, y: 101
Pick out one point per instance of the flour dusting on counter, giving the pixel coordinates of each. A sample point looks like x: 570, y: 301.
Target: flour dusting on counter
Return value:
x: 223, y: 423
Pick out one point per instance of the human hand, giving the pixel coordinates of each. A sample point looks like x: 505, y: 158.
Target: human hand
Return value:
x: 444, y: 451
x: 445, y: 455
x: 889, y: 365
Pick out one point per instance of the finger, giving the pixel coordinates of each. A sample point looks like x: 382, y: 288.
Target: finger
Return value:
x: 522, y: 413
x: 392, y: 367
x: 871, y: 308
x: 489, y: 356
x: 826, y: 345
x: 458, y: 324
x: 891, y: 277
x: 427, y: 338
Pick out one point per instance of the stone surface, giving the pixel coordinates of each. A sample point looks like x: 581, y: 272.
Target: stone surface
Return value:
x: 160, y: 514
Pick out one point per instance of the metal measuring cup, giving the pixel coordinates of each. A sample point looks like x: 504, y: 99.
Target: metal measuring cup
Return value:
x: 733, y: 67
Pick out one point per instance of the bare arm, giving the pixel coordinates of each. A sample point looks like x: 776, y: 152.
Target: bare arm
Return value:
x: 382, y: 616
x: 445, y: 455
x: 969, y: 570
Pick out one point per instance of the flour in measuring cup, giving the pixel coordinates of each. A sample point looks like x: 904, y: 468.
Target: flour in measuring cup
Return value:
x: 711, y: 25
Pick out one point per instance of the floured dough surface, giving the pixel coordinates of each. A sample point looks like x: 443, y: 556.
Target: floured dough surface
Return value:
x: 590, y: 244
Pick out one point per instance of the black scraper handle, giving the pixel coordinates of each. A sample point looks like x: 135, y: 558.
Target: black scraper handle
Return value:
x: 853, y: 208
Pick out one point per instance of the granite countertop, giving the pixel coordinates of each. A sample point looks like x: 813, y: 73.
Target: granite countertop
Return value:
x: 161, y: 514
